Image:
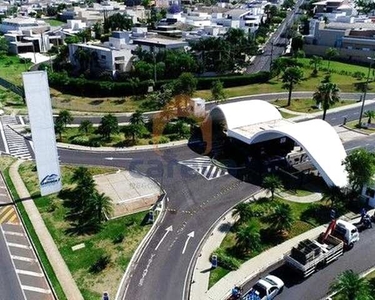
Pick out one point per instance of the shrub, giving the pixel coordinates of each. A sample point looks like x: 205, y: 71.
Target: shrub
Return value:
x: 163, y: 140
x: 119, y: 238
x: 101, y: 263
x: 81, y: 140
x: 226, y: 261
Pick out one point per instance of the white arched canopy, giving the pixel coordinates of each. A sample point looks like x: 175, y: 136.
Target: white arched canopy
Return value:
x: 256, y: 121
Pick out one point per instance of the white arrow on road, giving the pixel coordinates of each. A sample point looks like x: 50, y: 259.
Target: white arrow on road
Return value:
x: 117, y: 158
x: 190, y: 235
x: 168, y: 230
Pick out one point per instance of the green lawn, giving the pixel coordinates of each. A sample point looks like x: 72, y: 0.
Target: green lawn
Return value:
x: 306, y: 105
x: 11, y: 68
x: 354, y: 125
x: 54, y: 22
x: 79, y: 262
x: 306, y: 216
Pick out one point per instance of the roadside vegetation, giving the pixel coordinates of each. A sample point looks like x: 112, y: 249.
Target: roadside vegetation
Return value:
x: 140, y: 131
x: 269, y: 221
x: 108, y: 245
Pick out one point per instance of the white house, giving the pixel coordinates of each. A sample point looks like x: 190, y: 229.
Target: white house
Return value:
x: 114, y: 55
x: 20, y: 24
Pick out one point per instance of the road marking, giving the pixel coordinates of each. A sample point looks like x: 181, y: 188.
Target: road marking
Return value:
x: 21, y: 120
x: 23, y: 258
x: 8, y: 211
x: 29, y: 273
x: 145, y: 271
x: 14, y: 266
x: 168, y: 230
x: 18, y: 246
x: 14, y: 233
x: 13, y: 219
x: 356, y: 147
x: 190, y: 235
x: 117, y: 158
x: 35, y: 289
x: 3, y: 138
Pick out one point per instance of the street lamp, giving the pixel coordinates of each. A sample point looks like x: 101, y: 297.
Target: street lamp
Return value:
x: 365, y: 91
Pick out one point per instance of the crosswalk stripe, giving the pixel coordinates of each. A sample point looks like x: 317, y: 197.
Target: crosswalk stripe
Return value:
x: 14, y: 233
x: 205, y: 167
x: 13, y: 219
x: 22, y: 258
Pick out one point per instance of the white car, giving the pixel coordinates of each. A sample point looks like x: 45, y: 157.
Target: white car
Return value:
x: 267, y: 288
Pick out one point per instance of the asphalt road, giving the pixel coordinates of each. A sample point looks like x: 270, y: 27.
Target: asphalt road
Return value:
x: 315, y: 287
x: 194, y: 205
x: 9, y: 284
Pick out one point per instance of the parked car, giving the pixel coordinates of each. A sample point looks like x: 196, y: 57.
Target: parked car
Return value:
x: 266, y: 288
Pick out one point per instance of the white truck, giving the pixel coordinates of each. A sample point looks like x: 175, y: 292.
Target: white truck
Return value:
x: 310, y: 255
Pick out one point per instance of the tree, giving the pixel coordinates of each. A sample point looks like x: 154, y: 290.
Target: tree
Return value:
x: 248, y: 238
x: 108, y: 126
x: 59, y: 127
x: 335, y: 194
x: 117, y: 21
x: 282, y: 218
x: 84, y: 192
x: 360, y: 166
x: 85, y: 126
x: 331, y: 53
x: 185, y: 84
x: 4, y: 47
x: 134, y: 131
x: 291, y: 77
x: 83, y: 57
x: 272, y: 183
x: 370, y: 114
x: 102, y: 206
x: 351, y: 286
x: 327, y: 95
x: 66, y: 117
x: 181, y: 129
x: 98, y: 30
x: 243, y: 211
x: 217, y: 91
x: 316, y: 62
x: 137, y: 118
x: 297, y: 44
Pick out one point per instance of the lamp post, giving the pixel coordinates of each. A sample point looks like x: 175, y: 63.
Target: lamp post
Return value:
x: 365, y: 91
x: 271, y: 55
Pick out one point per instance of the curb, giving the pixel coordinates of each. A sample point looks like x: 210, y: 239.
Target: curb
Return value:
x: 357, y: 130
x: 139, y: 251
x: 29, y: 238
x: 193, y: 261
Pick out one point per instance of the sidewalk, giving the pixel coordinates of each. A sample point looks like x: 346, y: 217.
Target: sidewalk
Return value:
x: 57, y: 262
x: 251, y: 268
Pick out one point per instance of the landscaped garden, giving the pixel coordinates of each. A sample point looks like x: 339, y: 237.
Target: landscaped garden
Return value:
x: 108, y: 245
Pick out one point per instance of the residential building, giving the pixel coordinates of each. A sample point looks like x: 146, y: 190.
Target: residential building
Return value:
x: 20, y: 24
x: 160, y: 44
x: 113, y: 56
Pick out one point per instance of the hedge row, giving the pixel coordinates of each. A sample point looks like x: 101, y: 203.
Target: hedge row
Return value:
x: 93, y: 88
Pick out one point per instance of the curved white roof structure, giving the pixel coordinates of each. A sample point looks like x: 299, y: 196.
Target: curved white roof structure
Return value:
x: 243, y: 113
x: 255, y: 121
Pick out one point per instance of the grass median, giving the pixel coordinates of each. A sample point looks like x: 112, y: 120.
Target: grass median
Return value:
x: 116, y: 241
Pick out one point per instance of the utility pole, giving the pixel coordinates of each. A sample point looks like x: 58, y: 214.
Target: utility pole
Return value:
x: 365, y: 91
x: 271, y: 55
x: 154, y: 57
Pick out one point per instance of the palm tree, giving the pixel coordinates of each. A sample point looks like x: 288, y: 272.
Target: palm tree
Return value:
x: 85, y: 126
x: 272, y: 183
x: 137, y: 118
x: 331, y: 53
x: 66, y: 117
x: 248, y: 238
x: 243, y: 210
x: 83, y: 57
x: 370, y: 114
x: 315, y: 61
x: 291, y: 77
x: 134, y: 131
x: 108, y: 126
x: 351, y: 286
x: 102, y: 206
x: 282, y: 218
x: 59, y: 127
x: 327, y: 94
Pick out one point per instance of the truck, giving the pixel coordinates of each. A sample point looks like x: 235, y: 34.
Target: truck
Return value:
x: 310, y: 255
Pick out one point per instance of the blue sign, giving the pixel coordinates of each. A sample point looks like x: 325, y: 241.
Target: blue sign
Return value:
x: 214, y: 261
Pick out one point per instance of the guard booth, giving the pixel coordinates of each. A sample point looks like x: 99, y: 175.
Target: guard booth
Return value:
x: 198, y: 107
